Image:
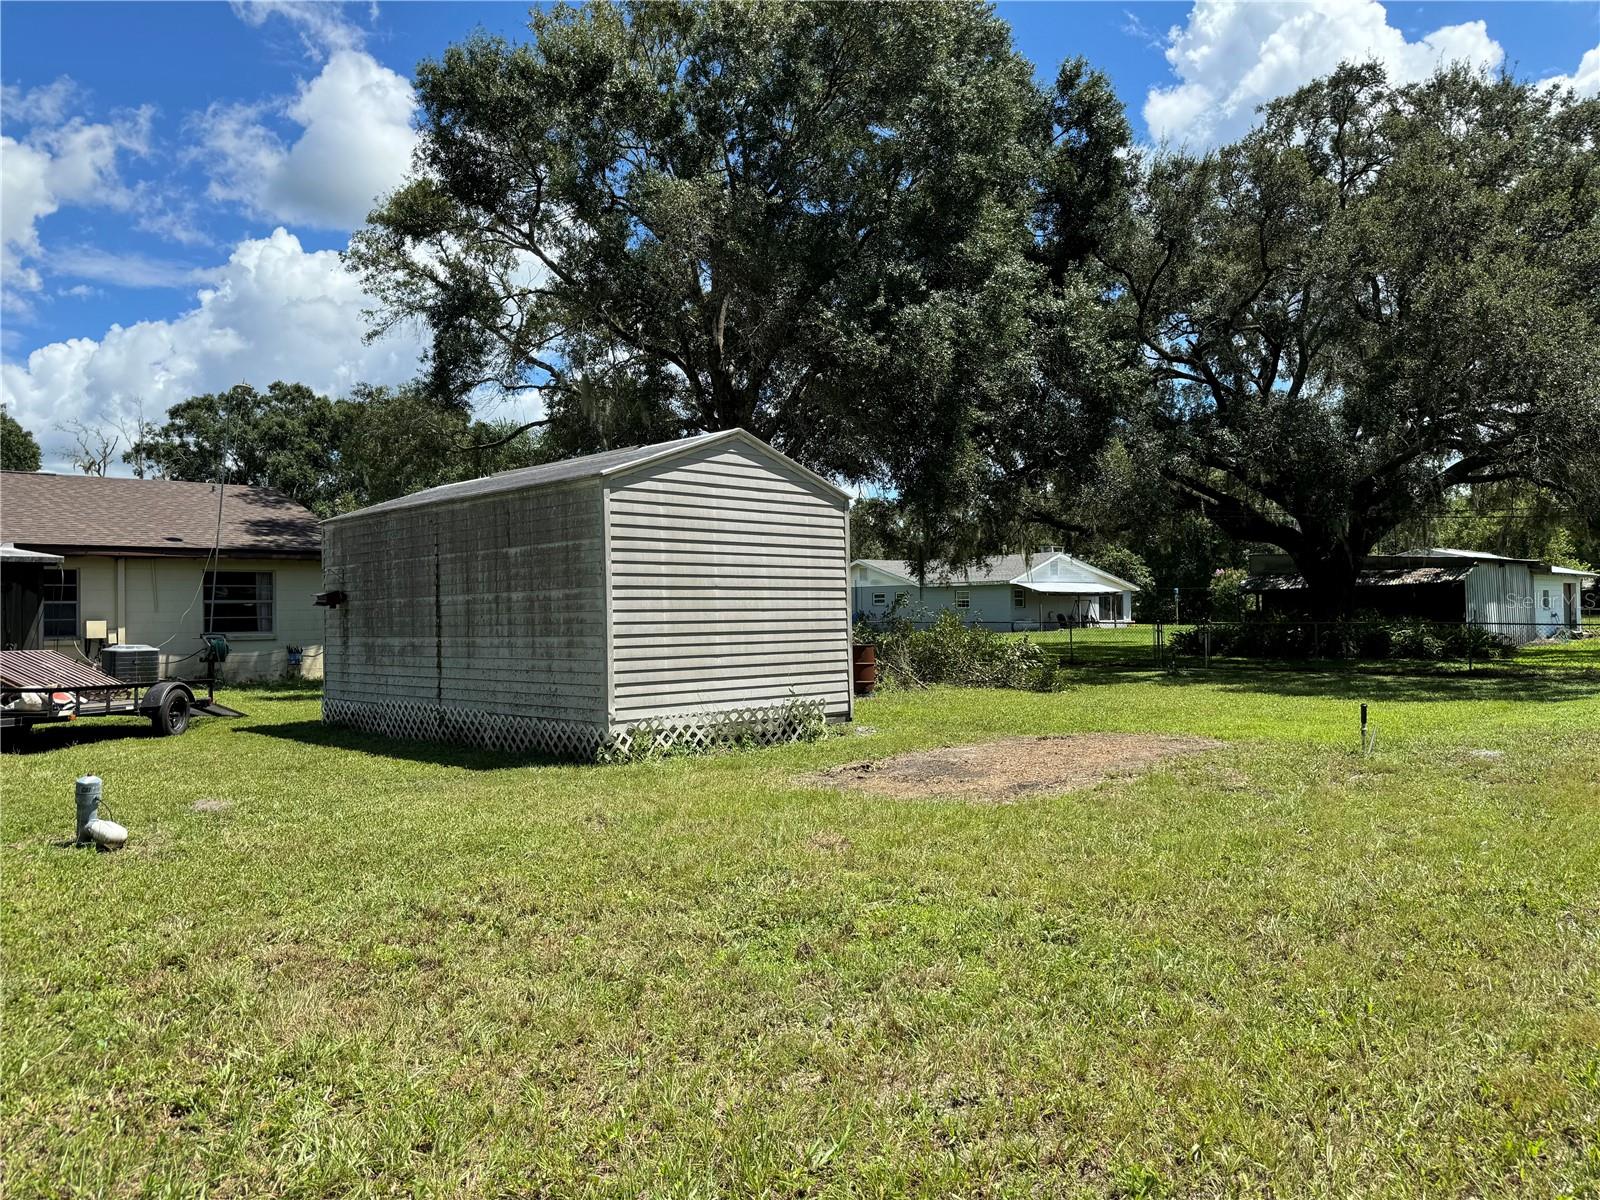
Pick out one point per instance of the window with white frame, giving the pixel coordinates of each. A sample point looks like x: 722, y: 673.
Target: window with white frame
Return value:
x: 61, y: 604
x: 963, y: 598
x: 1019, y: 598
x: 879, y: 599
x: 238, y: 602
x: 1547, y: 599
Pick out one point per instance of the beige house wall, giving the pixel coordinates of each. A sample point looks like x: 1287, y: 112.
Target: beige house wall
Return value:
x: 156, y: 602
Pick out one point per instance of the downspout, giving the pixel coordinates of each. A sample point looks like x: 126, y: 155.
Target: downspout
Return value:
x: 122, y: 599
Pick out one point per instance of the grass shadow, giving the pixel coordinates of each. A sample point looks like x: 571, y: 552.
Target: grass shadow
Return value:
x: 1357, y: 684
x: 42, y: 739
x: 442, y: 754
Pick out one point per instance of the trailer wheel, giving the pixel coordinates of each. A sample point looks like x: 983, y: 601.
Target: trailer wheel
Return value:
x: 172, y: 717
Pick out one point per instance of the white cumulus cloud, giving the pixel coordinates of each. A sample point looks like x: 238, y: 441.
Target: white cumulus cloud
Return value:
x: 1234, y: 55
x: 274, y: 311
x: 322, y: 26
x: 355, y: 144
x: 46, y: 105
x: 70, y: 162
x: 1585, y: 81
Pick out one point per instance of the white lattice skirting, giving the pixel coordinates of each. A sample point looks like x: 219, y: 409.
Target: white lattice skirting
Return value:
x: 762, y: 725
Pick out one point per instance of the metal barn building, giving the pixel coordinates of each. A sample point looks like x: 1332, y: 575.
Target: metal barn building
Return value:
x: 696, y: 588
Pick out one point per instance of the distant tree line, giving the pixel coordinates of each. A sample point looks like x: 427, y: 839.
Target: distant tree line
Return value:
x: 865, y: 234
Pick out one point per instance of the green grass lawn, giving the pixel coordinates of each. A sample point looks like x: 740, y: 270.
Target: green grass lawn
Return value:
x: 1280, y: 968
x: 1134, y: 646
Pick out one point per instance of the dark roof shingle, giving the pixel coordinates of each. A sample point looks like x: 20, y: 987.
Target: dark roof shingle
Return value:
x: 97, y: 515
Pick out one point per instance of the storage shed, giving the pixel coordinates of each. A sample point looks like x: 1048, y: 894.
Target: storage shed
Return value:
x: 696, y: 589
x: 1520, y: 599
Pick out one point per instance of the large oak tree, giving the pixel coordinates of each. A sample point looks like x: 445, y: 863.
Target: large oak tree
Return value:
x: 1383, y: 294
x: 808, y: 220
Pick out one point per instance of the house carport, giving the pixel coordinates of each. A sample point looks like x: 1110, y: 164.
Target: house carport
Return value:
x: 1077, y: 602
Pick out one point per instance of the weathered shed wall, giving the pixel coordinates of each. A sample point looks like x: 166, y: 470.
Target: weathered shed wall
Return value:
x: 728, y: 586
x: 1499, y: 594
x: 489, y: 604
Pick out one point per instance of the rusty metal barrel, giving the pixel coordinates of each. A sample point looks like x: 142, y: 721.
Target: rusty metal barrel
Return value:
x: 866, y: 668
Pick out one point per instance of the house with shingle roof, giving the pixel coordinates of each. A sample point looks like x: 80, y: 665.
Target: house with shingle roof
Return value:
x: 160, y: 562
x: 1009, y: 591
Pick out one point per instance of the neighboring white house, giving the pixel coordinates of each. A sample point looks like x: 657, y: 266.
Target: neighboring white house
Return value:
x: 1012, y: 591
x: 137, y: 567
x: 696, y: 587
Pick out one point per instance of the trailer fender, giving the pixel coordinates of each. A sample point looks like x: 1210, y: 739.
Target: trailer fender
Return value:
x: 156, y: 695
x: 169, y: 705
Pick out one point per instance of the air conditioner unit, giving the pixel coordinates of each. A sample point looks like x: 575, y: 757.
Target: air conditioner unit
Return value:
x: 139, y: 665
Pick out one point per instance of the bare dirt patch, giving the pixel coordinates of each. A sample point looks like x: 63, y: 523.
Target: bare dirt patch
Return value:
x: 1001, y: 771
x: 828, y: 842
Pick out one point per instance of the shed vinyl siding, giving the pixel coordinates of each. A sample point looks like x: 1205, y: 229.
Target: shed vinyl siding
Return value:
x: 492, y: 603
x: 728, y: 587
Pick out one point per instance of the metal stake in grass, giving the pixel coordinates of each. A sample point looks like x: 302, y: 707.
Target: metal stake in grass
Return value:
x: 1366, y: 747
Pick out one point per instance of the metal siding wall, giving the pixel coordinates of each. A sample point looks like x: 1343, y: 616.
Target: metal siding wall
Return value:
x: 1497, y: 594
x: 493, y: 604
x: 729, y: 587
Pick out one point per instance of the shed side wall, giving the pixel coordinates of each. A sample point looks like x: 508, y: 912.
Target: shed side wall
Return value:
x: 493, y: 604
x: 729, y: 587
x: 1498, y: 595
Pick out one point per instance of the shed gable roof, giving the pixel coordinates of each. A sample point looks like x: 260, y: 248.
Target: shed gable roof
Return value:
x: 112, y: 515
x: 588, y: 466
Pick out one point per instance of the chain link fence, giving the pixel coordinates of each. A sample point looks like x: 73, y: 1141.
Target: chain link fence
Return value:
x: 1397, y: 645
x: 1392, y: 645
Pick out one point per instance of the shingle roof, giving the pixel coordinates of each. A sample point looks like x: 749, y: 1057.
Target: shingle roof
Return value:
x: 1002, y: 568
x: 606, y: 462
x: 90, y: 514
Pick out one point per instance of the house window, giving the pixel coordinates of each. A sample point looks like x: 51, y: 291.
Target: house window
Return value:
x: 963, y: 599
x: 879, y: 599
x: 61, y: 604
x: 238, y: 602
x: 1547, y: 599
x: 1019, y: 598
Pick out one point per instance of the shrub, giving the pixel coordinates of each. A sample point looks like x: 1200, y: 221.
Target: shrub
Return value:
x: 953, y: 653
x: 1226, y: 594
x: 1372, y: 638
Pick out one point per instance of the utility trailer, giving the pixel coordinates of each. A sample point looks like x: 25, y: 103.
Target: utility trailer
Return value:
x: 40, y: 686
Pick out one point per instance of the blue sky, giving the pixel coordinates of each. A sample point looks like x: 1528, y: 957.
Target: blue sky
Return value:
x: 178, y: 178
